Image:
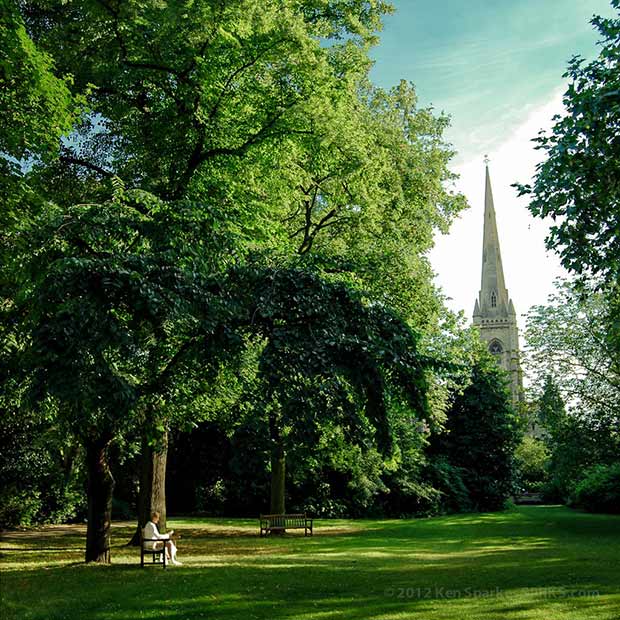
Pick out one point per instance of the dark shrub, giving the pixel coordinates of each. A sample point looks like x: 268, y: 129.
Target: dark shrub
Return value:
x: 599, y: 490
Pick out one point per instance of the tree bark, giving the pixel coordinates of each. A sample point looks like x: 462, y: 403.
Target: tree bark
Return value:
x: 278, y: 466
x: 100, y: 489
x: 278, y: 477
x: 152, y: 494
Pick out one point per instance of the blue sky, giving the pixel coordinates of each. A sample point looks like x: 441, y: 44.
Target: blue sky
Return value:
x: 485, y: 62
x: 496, y: 67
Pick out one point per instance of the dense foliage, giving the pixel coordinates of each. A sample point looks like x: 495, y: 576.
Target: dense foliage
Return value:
x: 576, y: 337
x: 478, y: 446
x: 217, y: 226
x: 576, y: 182
x: 599, y: 490
x: 532, y: 456
x: 579, y: 402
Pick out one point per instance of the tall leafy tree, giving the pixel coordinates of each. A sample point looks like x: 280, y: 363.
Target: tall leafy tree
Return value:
x: 112, y: 309
x: 576, y: 184
x: 568, y: 339
x: 186, y: 113
x: 327, y: 361
x: 238, y: 107
x: 36, y: 109
x: 481, y: 435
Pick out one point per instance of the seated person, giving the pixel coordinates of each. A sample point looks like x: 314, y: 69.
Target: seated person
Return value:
x: 151, y: 531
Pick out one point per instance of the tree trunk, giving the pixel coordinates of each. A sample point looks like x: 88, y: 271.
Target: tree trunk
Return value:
x: 152, y: 495
x: 278, y: 466
x: 100, y: 488
x: 278, y: 476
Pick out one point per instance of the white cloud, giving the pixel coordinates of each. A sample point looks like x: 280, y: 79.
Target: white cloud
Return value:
x: 528, y: 267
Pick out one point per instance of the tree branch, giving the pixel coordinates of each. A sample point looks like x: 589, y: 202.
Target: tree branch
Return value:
x: 76, y: 161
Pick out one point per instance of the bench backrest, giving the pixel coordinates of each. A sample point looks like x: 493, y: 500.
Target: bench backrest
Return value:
x: 286, y: 520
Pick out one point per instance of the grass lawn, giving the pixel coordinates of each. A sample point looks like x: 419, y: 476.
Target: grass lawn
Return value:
x: 538, y: 562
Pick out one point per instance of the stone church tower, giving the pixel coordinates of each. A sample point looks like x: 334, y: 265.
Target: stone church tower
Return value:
x: 494, y: 313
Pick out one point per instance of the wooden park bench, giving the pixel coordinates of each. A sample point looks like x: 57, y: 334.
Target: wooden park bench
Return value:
x: 281, y: 523
x: 529, y: 498
x: 158, y: 554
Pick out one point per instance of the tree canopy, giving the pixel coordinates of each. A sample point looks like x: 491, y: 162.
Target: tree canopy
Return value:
x: 226, y: 223
x: 481, y: 435
x: 568, y: 340
x: 577, y: 182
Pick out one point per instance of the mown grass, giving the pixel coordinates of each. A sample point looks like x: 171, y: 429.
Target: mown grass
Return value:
x: 531, y: 562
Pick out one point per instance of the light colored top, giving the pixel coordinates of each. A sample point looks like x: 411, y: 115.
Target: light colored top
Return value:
x: 151, y: 531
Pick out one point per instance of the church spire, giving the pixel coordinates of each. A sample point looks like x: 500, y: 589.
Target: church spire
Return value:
x: 494, y: 314
x: 493, y: 298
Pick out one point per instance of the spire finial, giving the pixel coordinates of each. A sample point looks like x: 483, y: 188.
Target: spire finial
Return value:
x: 486, y: 160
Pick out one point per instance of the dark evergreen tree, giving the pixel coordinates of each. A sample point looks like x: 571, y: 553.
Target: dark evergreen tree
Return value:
x: 481, y: 435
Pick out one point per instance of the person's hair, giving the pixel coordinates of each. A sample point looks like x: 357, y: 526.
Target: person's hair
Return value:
x: 154, y: 514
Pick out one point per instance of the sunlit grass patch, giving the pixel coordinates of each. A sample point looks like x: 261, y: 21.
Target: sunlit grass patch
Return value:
x: 531, y: 563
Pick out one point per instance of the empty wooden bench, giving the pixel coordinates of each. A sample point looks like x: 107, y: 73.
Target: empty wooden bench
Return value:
x: 157, y: 552
x: 281, y: 523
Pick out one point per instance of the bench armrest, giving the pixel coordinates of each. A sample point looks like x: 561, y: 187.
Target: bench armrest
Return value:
x: 153, y: 540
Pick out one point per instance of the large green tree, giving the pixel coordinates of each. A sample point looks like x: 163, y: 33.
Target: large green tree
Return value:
x: 481, y: 435
x: 577, y: 182
x: 182, y: 114
x: 568, y: 340
x: 330, y: 360
x: 111, y: 310
x: 576, y: 185
x: 258, y: 116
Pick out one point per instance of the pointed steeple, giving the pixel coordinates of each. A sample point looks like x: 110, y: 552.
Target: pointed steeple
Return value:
x: 493, y: 298
x: 494, y: 312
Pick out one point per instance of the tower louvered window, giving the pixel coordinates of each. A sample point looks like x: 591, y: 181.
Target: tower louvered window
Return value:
x: 493, y: 300
x: 495, y: 347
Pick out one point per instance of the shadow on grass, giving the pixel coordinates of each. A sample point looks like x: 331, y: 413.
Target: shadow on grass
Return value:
x: 534, y: 563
